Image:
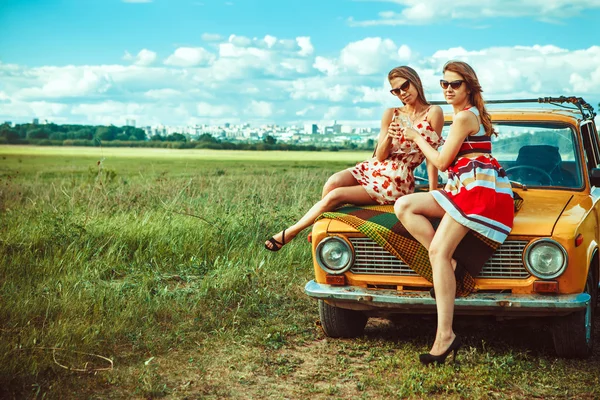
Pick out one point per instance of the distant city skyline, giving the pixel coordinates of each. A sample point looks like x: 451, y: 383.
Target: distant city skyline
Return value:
x: 187, y: 62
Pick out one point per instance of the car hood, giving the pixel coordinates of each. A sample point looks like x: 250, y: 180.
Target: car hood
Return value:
x: 539, y: 212
x: 537, y: 216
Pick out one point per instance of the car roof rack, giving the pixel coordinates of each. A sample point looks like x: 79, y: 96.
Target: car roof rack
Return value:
x: 586, y: 110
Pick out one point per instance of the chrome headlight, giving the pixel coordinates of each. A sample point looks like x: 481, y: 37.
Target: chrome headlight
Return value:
x: 546, y: 259
x: 334, y: 255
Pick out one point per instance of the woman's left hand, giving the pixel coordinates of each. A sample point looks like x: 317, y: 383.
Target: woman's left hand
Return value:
x: 409, y: 133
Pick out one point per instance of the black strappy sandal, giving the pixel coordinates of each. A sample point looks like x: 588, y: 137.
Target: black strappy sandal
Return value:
x: 276, y: 245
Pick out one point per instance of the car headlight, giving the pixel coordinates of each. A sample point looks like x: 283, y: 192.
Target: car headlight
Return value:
x: 334, y: 255
x: 546, y: 259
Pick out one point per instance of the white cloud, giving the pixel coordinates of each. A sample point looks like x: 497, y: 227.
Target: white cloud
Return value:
x: 454, y: 52
x: 326, y: 65
x: 211, y: 110
x: 303, y: 112
x: 416, y: 12
x: 323, y: 89
x: 306, y: 48
x: 144, y: 58
x: 536, y: 70
x: 295, y: 65
x: 270, y: 40
x: 109, y: 107
x: 190, y: 57
x: 240, y: 41
x: 211, y: 37
x: 267, y: 79
x: 258, y: 58
x: 231, y: 50
x: 261, y: 109
x: 30, y: 109
x: 163, y: 93
x: 369, y: 56
x: 61, y: 82
x: 404, y: 53
x: 377, y: 95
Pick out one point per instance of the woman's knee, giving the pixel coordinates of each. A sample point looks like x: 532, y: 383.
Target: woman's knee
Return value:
x: 438, y: 253
x: 333, y: 198
x: 333, y: 182
x: 402, y: 207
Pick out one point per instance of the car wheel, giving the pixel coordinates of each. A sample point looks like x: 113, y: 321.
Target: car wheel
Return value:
x: 340, y: 322
x: 574, y: 334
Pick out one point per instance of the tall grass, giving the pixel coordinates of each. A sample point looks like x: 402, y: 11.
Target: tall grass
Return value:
x: 156, y: 262
x: 131, y: 258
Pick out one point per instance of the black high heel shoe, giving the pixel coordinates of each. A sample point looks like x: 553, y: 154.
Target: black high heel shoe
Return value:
x: 428, y: 358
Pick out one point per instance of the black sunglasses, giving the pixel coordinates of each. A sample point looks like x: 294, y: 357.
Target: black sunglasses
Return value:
x: 454, y: 84
x: 404, y: 87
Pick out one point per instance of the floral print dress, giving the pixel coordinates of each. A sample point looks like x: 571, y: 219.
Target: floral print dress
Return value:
x: 385, y: 181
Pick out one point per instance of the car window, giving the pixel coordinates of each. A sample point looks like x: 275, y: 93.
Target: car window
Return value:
x: 536, y: 154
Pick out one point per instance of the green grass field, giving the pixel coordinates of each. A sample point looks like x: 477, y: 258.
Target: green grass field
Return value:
x: 152, y: 261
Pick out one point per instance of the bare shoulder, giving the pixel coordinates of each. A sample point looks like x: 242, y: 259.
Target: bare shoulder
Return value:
x: 465, y: 117
x: 387, y: 115
x: 435, y: 111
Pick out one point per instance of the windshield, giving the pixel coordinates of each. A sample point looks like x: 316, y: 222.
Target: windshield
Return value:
x: 536, y: 154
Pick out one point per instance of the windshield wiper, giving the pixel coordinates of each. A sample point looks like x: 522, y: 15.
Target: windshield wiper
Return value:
x: 518, y: 185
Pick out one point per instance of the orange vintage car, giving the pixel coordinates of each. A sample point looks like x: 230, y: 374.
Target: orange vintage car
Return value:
x: 548, y: 266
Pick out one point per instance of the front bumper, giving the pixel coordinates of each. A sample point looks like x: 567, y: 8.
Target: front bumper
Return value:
x: 388, y: 301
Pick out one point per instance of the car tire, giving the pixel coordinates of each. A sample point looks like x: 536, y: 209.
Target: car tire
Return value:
x: 340, y: 322
x: 574, y: 334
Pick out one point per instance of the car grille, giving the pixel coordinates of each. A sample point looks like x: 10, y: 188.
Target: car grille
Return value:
x: 370, y: 258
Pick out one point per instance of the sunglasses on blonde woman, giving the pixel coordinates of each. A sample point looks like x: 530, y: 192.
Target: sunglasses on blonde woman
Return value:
x: 404, y: 87
x: 454, y: 84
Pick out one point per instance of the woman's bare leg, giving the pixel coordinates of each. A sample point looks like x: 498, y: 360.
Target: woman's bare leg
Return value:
x: 413, y: 210
x: 446, y: 239
x: 351, y: 194
x: 339, y: 179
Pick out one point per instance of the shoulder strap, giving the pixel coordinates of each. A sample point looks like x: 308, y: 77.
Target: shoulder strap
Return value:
x: 475, y: 112
x: 473, y: 109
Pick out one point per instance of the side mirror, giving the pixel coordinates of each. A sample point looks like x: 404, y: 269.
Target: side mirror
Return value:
x: 595, y: 177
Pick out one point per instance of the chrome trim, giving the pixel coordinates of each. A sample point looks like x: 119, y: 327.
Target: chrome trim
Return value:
x: 534, y: 243
x: 370, y: 258
x: 381, y: 298
x: 322, y: 263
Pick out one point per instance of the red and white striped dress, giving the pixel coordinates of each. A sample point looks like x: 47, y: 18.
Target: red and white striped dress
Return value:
x: 478, y: 194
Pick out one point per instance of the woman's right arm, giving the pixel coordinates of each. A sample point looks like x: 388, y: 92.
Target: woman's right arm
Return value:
x: 384, y: 143
x: 463, y: 125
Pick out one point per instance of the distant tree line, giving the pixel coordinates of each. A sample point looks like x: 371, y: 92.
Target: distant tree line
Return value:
x: 129, y: 136
x: 55, y: 132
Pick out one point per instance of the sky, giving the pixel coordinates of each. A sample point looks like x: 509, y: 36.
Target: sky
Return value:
x: 187, y: 62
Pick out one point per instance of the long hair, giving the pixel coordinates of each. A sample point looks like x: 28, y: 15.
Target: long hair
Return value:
x: 475, y: 98
x: 410, y: 75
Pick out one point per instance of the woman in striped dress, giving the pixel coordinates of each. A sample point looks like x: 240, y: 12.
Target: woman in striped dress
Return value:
x: 478, y: 196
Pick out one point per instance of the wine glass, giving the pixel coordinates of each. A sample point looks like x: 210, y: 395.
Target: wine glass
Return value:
x: 404, y: 121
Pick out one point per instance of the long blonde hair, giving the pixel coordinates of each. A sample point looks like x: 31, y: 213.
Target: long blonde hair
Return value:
x: 475, y: 98
x: 410, y: 75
